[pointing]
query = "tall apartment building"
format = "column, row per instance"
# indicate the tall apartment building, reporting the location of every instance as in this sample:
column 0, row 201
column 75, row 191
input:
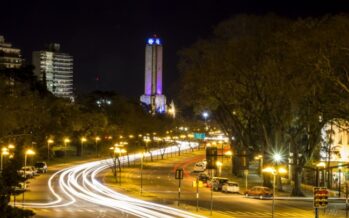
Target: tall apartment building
column 10, row 57
column 55, row 70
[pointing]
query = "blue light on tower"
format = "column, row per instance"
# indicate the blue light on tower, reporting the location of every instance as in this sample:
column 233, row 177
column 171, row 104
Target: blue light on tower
column 150, row 41
column 157, row 41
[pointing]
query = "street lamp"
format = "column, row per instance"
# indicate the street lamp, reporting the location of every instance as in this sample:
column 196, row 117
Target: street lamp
column 96, row 140
column 4, row 152
column 277, row 157
column 118, row 150
column 146, row 140
column 11, row 146
column 274, row 172
column 82, row 140
column 49, row 141
column 29, row 152
column 205, row 116
column 66, row 140
column 260, row 158
column 142, row 156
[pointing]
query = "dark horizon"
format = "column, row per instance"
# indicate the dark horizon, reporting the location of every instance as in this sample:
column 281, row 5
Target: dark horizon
column 108, row 39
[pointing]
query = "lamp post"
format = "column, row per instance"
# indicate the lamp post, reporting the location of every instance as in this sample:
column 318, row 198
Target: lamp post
column 119, row 151
column 29, row 152
column 142, row 156
column 146, row 140
column 96, row 140
column 205, row 116
column 82, row 140
column 274, row 172
column 260, row 158
column 4, row 152
column 49, row 141
column 66, row 140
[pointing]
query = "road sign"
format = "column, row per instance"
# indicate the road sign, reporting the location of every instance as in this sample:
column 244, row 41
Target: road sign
column 198, row 135
column 179, row 173
column 211, row 157
column 320, row 197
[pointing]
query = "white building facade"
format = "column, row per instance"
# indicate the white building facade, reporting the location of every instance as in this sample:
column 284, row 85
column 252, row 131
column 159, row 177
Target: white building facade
column 10, row 57
column 55, row 70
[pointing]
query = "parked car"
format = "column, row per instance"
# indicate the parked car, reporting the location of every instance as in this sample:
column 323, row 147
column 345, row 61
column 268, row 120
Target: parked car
column 41, row 167
column 217, row 183
column 203, row 177
column 20, row 188
column 26, row 172
column 199, row 167
column 35, row 171
column 259, row 191
column 232, row 187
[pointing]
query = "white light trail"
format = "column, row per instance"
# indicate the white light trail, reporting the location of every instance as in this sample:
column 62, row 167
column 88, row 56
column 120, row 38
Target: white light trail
column 80, row 183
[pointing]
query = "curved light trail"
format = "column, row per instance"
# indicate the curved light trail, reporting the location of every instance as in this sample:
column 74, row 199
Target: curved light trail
column 80, row 183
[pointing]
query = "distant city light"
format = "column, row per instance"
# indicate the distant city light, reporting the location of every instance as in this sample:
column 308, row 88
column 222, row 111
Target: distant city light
column 157, row 41
column 205, row 114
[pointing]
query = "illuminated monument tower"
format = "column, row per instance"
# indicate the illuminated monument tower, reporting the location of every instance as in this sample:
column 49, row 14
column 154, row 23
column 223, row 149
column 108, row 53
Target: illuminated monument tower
column 153, row 96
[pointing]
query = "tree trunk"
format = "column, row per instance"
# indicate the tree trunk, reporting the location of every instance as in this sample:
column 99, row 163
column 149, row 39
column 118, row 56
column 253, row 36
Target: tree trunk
column 297, row 191
column 236, row 168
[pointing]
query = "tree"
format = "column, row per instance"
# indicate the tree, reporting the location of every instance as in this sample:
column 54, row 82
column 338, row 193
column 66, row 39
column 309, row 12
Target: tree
column 265, row 79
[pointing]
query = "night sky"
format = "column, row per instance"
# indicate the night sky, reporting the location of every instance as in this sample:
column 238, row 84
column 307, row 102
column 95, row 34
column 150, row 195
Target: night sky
column 107, row 38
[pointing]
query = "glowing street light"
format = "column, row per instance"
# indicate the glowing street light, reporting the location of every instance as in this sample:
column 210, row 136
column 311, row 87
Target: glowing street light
column 49, row 141
column 228, row 153
column 97, row 138
column 205, row 115
column 274, row 172
column 29, row 152
column 11, row 146
column 82, row 141
column 277, row 157
column 66, row 140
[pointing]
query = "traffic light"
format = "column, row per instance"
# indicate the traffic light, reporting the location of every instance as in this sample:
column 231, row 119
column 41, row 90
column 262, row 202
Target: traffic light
column 320, row 197
column 211, row 157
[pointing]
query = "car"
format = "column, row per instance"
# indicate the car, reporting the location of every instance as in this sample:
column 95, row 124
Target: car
column 199, row 167
column 41, row 167
column 203, row 177
column 26, row 172
column 259, row 191
column 230, row 186
column 35, row 171
column 217, row 183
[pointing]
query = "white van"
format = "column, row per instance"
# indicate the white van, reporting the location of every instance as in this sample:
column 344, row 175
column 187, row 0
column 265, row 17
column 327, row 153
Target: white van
column 199, row 167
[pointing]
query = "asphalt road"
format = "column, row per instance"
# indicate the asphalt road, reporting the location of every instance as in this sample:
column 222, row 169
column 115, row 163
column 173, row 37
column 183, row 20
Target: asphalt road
column 75, row 191
column 44, row 203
